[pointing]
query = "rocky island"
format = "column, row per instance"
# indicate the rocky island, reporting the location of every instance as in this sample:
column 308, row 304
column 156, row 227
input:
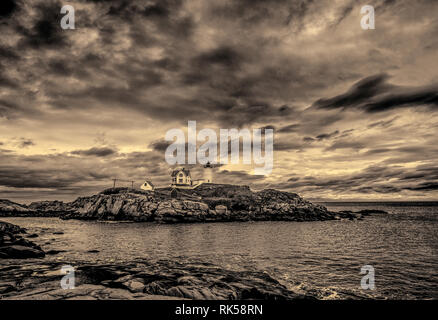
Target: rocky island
column 205, row 203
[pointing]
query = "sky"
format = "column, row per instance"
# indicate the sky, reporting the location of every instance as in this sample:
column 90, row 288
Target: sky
column 354, row 112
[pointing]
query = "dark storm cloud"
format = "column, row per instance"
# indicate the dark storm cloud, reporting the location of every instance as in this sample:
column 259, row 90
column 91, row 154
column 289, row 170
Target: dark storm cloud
column 7, row 108
column 289, row 128
column 32, row 172
column 7, row 8
column 417, row 97
column 250, row 13
column 96, row 151
column 164, row 13
column 24, row 143
column 343, row 14
column 62, row 171
column 324, row 136
column 11, row 176
column 161, row 9
column 404, row 153
column 425, row 187
column 7, row 57
column 373, row 179
column 61, row 67
column 6, row 82
column 289, row 145
column 359, row 93
column 46, row 30
column 8, row 53
column 428, row 169
column 160, row 146
column 225, row 88
column 347, row 144
column 223, row 56
column 240, row 115
column 384, row 124
column 374, row 94
column 386, row 5
column 156, row 9
column 236, row 177
column 379, row 151
column 236, row 101
column 383, row 189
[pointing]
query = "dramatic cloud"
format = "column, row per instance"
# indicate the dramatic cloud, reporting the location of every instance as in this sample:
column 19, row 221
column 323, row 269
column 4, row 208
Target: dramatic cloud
column 24, row 143
column 7, row 8
column 374, row 94
column 98, row 152
column 80, row 107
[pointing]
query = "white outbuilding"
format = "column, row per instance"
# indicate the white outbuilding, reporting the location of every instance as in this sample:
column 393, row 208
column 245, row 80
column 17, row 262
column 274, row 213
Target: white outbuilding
column 147, row 185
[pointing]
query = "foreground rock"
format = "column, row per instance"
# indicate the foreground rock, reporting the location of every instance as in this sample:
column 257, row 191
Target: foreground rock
column 161, row 279
column 14, row 246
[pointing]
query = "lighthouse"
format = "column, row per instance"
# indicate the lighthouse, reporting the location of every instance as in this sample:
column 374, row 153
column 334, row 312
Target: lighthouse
column 208, row 172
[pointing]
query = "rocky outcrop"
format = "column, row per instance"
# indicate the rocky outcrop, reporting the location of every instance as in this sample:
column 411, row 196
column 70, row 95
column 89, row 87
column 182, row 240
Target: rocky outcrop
column 49, row 208
column 161, row 279
column 35, row 209
column 14, row 246
column 9, row 208
column 206, row 203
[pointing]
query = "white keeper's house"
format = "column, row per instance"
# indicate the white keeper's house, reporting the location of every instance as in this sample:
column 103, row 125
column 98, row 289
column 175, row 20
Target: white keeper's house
column 181, row 178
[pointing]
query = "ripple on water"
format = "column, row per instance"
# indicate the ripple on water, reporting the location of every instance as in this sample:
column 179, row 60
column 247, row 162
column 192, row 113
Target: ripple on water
column 322, row 257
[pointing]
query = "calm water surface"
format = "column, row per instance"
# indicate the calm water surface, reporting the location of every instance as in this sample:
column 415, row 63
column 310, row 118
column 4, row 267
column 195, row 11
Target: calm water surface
column 320, row 257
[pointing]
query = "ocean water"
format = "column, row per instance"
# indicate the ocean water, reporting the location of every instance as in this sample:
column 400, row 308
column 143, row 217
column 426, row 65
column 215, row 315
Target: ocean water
column 321, row 258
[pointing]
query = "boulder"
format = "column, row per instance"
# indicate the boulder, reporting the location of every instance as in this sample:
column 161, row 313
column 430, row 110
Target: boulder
column 220, row 209
column 20, row 252
column 14, row 246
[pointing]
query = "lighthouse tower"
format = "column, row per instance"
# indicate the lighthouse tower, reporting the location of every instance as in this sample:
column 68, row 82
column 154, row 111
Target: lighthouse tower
column 208, row 172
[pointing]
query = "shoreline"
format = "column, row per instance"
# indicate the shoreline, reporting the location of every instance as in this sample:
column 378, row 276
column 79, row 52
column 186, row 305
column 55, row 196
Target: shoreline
column 38, row 278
